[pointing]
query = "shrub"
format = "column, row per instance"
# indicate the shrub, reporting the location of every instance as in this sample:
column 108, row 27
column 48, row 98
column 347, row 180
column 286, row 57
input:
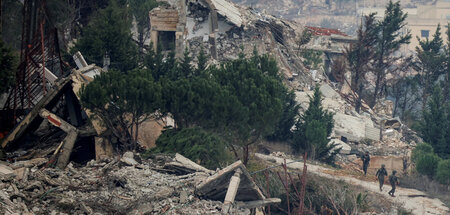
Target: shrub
column 421, row 149
column 427, row 164
column 196, row 144
column 443, row 171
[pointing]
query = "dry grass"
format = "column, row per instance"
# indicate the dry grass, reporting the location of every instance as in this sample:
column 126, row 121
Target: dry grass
column 432, row 188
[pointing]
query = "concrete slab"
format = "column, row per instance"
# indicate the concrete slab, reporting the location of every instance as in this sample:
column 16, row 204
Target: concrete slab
column 216, row 186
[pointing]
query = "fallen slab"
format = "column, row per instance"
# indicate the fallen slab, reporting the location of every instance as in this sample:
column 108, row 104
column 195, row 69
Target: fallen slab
column 183, row 165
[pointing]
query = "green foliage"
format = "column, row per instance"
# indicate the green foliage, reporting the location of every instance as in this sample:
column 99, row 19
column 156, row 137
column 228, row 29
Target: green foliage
column 8, row 65
column 362, row 201
column 287, row 121
column 125, row 99
column 389, row 40
column 203, row 147
column 256, row 84
column 108, row 32
column 431, row 63
column 202, row 61
column 427, row 164
column 434, row 127
column 359, row 55
column 404, row 91
column 443, row 172
column 313, row 59
column 140, row 10
column 420, row 150
column 313, row 128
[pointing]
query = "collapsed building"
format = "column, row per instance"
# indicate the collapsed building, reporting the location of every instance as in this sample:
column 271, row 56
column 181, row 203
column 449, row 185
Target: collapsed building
column 59, row 131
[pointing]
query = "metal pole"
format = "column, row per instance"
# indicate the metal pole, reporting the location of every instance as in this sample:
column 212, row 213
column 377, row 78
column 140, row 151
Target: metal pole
column 287, row 187
column 268, row 190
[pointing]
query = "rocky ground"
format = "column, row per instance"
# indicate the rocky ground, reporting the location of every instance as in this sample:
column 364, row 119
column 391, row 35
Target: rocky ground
column 115, row 186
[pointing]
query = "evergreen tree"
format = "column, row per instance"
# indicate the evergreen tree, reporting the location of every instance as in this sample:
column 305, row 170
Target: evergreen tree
column 447, row 68
column 360, row 54
column 312, row 129
column 256, row 84
column 8, row 65
column 389, row 41
column 404, row 91
column 287, row 121
column 123, row 100
column 430, row 63
column 140, row 10
column 434, row 127
column 196, row 144
column 202, row 61
column 186, row 68
column 108, row 33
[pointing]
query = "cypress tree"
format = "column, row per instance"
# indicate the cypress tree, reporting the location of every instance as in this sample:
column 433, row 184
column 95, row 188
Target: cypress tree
column 389, row 41
column 312, row 129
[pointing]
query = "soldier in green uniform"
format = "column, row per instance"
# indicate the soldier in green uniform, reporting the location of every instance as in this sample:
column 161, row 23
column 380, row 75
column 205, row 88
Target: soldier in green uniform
column 394, row 181
column 380, row 175
column 366, row 160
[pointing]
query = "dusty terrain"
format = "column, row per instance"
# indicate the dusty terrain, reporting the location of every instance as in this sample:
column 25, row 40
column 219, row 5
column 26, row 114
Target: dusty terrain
column 413, row 200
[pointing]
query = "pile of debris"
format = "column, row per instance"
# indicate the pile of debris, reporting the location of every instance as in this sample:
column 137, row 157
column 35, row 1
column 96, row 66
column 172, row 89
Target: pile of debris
column 127, row 185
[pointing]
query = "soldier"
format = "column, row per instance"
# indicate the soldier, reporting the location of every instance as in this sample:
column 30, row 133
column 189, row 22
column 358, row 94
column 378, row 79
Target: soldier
column 380, row 175
column 394, row 181
column 366, row 160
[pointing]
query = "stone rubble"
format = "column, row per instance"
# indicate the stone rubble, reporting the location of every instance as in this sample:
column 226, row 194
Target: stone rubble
column 104, row 187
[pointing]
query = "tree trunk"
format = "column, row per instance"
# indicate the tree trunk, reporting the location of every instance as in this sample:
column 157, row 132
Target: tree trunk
column 359, row 99
column 136, row 137
column 245, row 155
column 140, row 43
column 377, row 88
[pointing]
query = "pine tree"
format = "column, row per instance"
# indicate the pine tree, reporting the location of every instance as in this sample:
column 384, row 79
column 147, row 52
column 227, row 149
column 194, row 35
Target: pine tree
column 140, row 10
column 360, row 54
column 312, row 129
column 447, row 68
column 256, row 85
column 287, row 121
column 123, row 100
column 430, row 63
column 389, row 41
column 202, row 60
column 108, row 33
column 434, row 127
column 186, row 69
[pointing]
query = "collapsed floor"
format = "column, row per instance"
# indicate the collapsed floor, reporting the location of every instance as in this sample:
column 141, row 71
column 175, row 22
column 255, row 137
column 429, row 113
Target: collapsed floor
column 103, row 187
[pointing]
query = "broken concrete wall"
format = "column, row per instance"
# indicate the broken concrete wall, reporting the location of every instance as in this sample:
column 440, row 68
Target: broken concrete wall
column 168, row 27
column 390, row 162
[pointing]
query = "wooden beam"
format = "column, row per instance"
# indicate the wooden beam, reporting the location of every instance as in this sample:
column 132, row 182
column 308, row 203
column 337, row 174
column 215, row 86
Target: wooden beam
column 232, row 191
column 258, row 203
column 68, row 142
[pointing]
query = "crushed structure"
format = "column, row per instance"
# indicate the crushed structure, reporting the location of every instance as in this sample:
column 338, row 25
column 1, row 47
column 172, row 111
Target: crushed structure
column 105, row 187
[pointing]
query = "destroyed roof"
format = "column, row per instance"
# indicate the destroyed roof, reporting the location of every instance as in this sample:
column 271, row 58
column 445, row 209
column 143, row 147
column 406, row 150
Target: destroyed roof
column 228, row 10
column 318, row 31
column 215, row 187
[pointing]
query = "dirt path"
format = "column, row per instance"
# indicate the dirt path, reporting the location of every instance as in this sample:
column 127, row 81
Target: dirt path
column 413, row 200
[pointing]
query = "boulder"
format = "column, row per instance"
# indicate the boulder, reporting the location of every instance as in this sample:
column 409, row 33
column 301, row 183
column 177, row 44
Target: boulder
column 128, row 158
column 345, row 148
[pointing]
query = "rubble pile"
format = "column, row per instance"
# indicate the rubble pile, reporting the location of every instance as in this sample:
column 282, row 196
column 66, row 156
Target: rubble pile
column 102, row 187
